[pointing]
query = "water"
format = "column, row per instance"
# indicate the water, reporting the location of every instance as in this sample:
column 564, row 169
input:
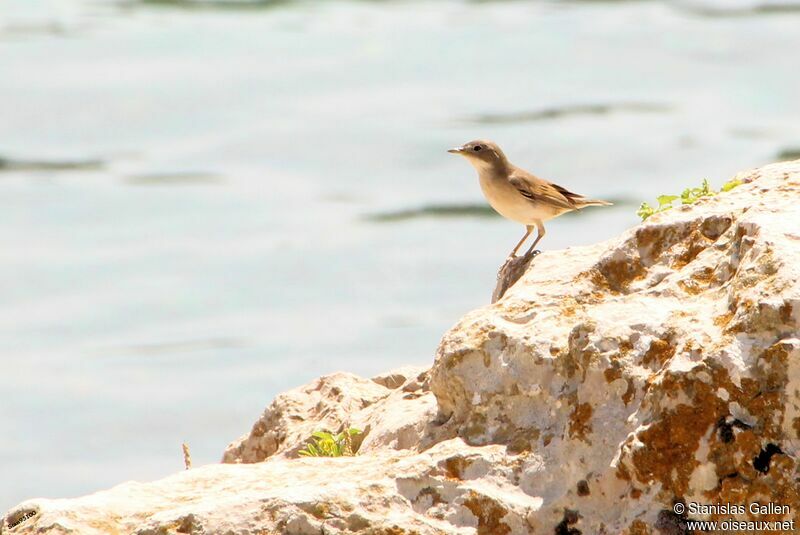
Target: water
column 203, row 206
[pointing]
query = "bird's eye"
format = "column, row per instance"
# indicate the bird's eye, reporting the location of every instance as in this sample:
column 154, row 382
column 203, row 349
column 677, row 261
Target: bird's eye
column 476, row 148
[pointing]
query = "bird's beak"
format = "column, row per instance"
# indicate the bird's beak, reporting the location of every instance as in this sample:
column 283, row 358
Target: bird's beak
column 456, row 150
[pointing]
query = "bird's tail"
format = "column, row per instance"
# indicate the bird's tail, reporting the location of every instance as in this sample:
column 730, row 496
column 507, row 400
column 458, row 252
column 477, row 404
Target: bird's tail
column 592, row 202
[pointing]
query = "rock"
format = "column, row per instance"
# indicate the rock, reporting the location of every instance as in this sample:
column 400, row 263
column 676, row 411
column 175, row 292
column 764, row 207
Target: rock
column 406, row 419
column 399, row 377
column 392, row 410
column 286, row 425
column 610, row 383
column 660, row 366
column 450, row 488
column 510, row 272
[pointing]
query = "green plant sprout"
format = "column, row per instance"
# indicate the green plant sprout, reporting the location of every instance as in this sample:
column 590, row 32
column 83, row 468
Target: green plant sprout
column 689, row 196
column 326, row 444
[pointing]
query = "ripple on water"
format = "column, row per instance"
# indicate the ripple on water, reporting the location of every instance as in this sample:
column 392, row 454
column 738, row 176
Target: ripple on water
column 559, row 112
column 10, row 164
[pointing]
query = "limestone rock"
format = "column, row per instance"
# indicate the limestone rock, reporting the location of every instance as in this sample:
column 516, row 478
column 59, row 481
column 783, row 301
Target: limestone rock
column 450, row 488
column 288, row 422
column 609, row 383
column 393, row 409
column 657, row 367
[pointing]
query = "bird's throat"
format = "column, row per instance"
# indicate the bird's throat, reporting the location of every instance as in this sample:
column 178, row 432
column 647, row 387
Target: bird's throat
column 496, row 168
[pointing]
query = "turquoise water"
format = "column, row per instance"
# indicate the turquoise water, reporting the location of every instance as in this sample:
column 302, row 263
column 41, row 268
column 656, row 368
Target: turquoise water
column 205, row 205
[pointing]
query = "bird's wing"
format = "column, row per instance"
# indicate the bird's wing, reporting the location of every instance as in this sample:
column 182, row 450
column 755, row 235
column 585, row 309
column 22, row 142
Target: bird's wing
column 538, row 190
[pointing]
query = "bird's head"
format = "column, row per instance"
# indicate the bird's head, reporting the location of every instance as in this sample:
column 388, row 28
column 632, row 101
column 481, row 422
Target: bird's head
column 482, row 154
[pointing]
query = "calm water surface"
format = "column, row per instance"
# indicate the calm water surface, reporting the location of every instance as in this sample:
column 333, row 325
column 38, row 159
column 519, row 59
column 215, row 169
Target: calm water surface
column 204, row 205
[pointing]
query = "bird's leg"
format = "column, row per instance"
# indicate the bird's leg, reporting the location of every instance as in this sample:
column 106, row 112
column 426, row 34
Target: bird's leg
column 539, row 236
column 525, row 237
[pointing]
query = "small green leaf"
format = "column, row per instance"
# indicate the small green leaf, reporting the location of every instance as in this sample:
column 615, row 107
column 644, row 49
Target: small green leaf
column 687, row 196
column 666, row 200
column 326, row 444
column 727, row 186
column 644, row 211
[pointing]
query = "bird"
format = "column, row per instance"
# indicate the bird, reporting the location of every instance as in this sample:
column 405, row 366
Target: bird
column 518, row 195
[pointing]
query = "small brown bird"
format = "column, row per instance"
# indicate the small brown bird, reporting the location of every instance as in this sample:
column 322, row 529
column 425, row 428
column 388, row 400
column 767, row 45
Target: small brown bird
column 517, row 194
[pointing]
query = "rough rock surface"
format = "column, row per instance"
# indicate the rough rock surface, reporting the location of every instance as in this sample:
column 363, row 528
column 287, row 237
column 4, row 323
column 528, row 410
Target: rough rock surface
column 611, row 382
column 658, row 367
column 393, row 410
